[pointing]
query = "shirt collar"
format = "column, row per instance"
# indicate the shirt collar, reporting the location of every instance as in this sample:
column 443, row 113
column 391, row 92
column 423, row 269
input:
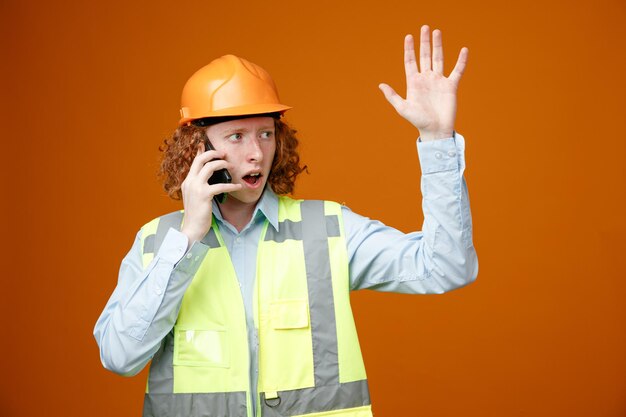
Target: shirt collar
column 267, row 207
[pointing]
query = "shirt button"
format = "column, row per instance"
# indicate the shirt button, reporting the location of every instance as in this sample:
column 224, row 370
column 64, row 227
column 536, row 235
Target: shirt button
column 158, row 290
column 189, row 256
column 438, row 155
column 238, row 240
column 451, row 153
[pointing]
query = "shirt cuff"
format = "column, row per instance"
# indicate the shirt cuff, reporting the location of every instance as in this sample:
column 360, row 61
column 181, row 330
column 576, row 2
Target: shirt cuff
column 174, row 250
column 191, row 261
column 438, row 155
column 174, row 246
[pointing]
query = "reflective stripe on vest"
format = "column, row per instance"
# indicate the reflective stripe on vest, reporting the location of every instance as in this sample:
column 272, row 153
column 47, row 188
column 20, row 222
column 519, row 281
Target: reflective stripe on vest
column 306, row 367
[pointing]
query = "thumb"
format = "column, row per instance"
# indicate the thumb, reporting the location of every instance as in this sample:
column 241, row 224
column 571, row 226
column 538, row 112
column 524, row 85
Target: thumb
column 392, row 97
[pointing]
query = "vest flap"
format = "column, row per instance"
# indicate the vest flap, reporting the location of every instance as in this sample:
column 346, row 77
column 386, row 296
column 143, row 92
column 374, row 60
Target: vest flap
column 289, row 314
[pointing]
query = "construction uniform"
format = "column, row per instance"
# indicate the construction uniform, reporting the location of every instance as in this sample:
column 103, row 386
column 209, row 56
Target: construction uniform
column 258, row 322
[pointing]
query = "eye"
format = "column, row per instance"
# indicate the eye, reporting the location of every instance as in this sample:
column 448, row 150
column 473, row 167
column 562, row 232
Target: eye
column 234, row 137
column 267, row 134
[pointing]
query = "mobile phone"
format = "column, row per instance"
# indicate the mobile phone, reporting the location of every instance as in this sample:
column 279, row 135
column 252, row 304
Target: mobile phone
column 219, row 176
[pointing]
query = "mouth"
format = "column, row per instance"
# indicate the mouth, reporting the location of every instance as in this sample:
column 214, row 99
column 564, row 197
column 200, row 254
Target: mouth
column 253, row 179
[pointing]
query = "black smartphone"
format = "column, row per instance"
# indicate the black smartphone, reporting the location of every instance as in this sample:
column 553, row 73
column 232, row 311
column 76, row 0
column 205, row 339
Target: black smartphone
column 220, row 176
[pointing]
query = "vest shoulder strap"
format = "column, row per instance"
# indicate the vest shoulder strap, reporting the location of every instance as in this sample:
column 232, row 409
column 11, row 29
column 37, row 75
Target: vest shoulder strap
column 153, row 233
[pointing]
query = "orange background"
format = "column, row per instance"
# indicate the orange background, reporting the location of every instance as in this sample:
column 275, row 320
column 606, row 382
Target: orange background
column 90, row 89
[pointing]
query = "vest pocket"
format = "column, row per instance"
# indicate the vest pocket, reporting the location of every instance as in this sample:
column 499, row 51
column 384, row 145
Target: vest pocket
column 289, row 314
column 193, row 347
column 286, row 348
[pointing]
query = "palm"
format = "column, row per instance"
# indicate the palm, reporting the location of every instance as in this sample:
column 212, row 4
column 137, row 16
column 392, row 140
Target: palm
column 430, row 103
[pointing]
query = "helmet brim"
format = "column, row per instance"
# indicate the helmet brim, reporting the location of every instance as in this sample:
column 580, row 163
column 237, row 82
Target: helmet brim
column 247, row 110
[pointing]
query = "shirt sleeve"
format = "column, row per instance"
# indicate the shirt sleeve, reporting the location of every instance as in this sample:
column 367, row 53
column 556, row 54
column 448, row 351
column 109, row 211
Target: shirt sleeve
column 437, row 259
column 145, row 303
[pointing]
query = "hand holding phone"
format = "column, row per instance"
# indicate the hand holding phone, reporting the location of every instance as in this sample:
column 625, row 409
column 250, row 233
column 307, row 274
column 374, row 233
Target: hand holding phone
column 219, row 176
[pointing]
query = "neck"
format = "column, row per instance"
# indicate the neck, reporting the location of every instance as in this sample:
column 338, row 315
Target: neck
column 237, row 212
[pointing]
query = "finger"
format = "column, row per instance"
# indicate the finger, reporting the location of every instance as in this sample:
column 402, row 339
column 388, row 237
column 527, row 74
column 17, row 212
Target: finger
column 195, row 165
column 201, row 159
column 224, row 188
column 210, row 167
column 459, row 68
column 410, row 64
column 392, row 97
column 212, row 154
column 425, row 49
column 437, row 52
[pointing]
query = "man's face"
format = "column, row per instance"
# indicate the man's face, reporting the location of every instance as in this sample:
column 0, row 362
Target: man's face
column 249, row 145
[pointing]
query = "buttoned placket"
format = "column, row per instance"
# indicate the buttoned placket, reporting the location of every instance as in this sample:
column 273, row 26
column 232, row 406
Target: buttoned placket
column 236, row 243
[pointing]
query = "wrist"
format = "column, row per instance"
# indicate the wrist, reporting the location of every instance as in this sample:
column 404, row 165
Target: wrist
column 430, row 136
column 192, row 235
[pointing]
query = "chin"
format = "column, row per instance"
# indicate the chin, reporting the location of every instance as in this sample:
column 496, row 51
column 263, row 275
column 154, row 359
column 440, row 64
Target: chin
column 246, row 198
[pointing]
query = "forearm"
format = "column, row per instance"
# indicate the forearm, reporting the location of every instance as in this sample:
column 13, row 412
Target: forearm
column 144, row 306
column 437, row 259
column 448, row 247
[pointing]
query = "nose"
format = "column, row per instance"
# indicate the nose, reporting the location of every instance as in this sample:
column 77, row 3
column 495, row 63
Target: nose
column 254, row 152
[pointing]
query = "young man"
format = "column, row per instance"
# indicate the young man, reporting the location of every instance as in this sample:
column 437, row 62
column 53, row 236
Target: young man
column 242, row 304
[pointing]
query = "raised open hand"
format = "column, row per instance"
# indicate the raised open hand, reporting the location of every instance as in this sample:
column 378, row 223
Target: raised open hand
column 430, row 103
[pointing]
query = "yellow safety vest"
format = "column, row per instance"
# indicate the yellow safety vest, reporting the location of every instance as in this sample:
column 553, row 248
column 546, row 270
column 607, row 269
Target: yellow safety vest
column 310, row 362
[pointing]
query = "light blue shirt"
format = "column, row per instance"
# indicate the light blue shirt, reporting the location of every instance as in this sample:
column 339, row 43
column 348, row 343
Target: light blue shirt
column 144, row 306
